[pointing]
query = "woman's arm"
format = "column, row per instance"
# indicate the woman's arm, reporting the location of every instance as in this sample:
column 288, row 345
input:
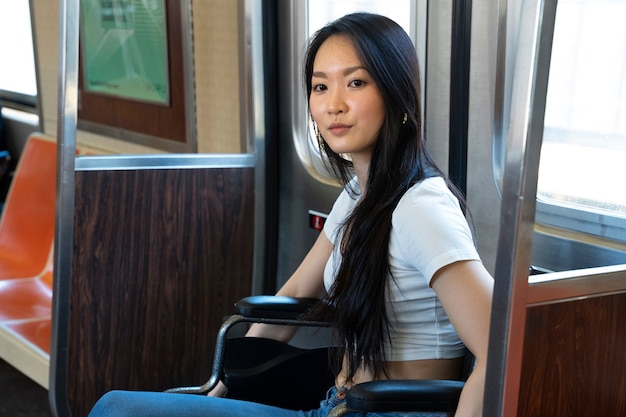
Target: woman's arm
column 465, row 289
column 306, row 282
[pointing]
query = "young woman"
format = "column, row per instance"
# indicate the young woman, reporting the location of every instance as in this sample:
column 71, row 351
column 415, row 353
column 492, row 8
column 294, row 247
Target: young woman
column 396, row 263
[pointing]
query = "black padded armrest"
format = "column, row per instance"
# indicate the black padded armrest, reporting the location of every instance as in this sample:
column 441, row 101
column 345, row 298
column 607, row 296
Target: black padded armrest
column 274, row 307
column 405, row 395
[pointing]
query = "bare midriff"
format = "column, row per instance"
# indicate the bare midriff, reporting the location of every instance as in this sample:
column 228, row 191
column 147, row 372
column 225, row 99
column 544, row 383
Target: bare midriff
column 417, row 369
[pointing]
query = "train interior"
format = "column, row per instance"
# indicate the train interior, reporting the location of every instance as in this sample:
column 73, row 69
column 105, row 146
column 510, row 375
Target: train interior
column 156, row 166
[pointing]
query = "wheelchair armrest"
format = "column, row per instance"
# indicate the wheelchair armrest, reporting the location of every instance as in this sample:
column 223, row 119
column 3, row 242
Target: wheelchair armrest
column 405, row 395
column 274, row 307
column 261, row 308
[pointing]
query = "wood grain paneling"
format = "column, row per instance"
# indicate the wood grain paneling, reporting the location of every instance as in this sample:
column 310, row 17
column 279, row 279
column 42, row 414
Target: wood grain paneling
column 574, row 361
column 160, row 256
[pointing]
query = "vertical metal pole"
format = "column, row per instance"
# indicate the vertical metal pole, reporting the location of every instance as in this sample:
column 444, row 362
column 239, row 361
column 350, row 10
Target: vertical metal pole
column 255, row 125
column 500, row 104
column 64, row 222
column 517, row 219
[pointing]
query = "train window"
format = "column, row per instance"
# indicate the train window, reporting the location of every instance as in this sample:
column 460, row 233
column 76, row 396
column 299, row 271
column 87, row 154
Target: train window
column 321, row 12
column 584, row 143
column 18, row 83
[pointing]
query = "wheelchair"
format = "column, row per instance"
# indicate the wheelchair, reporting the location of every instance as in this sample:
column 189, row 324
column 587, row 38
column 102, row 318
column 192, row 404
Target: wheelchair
column 247, row 365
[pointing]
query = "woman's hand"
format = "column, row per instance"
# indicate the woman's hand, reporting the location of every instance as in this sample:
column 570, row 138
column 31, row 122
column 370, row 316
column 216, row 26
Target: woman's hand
column 219, row 390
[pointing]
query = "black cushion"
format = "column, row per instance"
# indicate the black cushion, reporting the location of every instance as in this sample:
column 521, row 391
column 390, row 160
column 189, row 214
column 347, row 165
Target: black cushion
column 274, row 307
column 405, row 395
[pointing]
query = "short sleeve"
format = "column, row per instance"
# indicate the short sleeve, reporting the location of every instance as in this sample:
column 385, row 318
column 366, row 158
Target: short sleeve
column 430, row 228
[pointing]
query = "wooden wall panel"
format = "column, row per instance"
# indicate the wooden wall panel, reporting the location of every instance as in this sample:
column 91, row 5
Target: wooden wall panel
column 574, row 361
column 160, row 256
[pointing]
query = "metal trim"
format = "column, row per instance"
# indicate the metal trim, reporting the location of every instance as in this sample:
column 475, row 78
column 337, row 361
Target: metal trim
column 164, row 161
column 572, row 285
column 69, row 13
column 253, row 128
column 524, row 137
column 500, row 103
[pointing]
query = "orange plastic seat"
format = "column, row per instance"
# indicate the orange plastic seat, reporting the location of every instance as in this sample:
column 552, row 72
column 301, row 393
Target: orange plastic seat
column 26, row 240
column 25, row 310
column 27, row 223
column 35, row 332
column 47, row 276
column 24, row 299
column 25, row 322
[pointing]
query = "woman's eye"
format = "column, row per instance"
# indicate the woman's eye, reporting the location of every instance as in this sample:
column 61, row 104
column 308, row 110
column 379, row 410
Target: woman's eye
column 319, row 87
column 357, row 83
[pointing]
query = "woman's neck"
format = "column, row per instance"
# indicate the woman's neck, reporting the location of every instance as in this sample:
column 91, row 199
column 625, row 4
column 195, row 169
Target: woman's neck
column 361, row 169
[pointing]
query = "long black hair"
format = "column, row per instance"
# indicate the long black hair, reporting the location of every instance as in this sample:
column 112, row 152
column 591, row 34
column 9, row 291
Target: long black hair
column 356, row 301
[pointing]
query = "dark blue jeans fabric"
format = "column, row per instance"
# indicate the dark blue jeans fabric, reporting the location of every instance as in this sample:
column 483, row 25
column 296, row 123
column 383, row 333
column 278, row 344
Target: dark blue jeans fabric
column 159, row 404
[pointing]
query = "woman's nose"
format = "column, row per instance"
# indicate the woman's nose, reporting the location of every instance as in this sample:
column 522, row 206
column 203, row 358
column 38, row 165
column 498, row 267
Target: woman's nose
column 336, row 103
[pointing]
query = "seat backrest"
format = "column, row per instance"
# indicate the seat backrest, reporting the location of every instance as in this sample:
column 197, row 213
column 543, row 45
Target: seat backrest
column 47, row 275
column 27, row 223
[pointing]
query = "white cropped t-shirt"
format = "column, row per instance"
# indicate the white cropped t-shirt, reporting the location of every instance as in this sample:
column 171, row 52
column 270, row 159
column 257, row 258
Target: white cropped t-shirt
column 429, row 231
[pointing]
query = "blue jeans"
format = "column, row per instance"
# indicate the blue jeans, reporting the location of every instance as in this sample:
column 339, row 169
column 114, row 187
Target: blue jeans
column 159, row 404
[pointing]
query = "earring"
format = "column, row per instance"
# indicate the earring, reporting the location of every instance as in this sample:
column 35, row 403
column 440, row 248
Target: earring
column 405, row 118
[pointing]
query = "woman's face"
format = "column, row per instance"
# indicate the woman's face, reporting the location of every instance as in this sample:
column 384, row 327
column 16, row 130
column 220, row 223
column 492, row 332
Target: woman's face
column 345, row 103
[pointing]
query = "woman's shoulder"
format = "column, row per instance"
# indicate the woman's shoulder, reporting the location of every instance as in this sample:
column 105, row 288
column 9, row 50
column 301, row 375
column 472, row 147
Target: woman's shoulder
column 426, row 192
column 428, row 205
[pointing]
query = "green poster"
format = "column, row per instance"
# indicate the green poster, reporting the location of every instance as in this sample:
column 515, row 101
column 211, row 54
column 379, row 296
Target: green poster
column 124, row 46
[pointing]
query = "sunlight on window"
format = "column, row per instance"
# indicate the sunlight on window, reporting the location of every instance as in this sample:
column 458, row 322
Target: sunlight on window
column 584, row 145
column 16, row 48
column 323, row 11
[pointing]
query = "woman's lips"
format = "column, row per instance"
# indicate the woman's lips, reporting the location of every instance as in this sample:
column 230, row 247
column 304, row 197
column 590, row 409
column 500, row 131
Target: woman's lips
column 338, row 129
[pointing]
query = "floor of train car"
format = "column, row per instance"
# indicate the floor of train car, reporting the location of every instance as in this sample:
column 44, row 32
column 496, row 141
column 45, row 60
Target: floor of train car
column 20, row 396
